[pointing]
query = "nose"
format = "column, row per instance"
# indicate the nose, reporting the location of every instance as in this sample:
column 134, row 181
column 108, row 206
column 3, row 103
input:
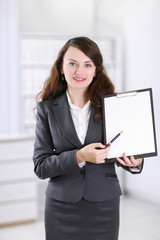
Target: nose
column 80, row 69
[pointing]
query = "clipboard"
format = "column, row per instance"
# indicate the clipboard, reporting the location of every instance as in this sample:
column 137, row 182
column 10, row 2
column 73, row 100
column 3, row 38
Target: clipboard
column 131, row 112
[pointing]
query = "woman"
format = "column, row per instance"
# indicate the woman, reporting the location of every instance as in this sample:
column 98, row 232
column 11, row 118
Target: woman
column 82, row 196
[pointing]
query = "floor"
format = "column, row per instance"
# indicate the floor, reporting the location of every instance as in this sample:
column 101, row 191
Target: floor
column 139, row 221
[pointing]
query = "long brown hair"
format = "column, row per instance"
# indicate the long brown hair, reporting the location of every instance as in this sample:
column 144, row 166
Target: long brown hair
column 101, row 84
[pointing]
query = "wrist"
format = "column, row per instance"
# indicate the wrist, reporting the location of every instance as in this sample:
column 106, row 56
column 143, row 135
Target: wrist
column 80, row 158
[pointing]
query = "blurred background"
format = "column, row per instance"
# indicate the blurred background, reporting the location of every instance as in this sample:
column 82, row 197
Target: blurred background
column 31, row 34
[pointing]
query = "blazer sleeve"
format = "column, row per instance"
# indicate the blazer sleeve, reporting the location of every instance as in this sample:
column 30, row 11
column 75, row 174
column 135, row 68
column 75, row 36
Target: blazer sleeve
column 133, row 170
column 46, row 163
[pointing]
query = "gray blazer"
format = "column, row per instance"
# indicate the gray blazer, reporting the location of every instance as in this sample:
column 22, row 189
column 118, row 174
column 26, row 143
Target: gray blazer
column 55, row 147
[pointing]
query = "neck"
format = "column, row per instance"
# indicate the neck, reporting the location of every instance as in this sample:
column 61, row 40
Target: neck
column 78, row 98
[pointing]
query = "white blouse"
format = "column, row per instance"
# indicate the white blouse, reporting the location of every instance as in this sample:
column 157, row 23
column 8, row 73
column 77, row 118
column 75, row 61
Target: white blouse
column 80, row 118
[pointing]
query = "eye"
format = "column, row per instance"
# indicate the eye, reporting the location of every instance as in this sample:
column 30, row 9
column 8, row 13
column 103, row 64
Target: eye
column 72, row 64
column 88, row 65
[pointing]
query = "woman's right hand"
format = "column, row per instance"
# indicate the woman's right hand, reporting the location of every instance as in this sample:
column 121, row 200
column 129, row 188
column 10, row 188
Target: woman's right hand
column 94, row 152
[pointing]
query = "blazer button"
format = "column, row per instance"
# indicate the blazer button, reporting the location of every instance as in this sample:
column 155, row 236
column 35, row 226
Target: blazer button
column 83, row 171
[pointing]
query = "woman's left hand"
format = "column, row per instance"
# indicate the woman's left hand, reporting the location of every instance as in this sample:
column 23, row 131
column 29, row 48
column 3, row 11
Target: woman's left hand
column 129, row 162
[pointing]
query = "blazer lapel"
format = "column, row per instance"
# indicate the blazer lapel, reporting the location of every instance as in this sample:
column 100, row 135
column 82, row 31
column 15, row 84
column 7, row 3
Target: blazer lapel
column 64, row 120
column 93, row 127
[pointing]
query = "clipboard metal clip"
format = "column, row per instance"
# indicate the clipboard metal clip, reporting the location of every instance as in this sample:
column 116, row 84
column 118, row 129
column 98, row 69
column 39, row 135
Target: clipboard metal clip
column 127, row 94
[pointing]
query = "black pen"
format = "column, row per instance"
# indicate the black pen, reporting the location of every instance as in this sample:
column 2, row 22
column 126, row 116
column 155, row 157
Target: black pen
column 108, row 144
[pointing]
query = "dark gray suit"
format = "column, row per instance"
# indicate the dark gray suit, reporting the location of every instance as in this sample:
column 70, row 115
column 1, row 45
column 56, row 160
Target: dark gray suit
column 88, row 197
column 56, row 144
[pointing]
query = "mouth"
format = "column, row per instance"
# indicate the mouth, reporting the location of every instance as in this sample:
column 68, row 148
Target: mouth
column 79, row 79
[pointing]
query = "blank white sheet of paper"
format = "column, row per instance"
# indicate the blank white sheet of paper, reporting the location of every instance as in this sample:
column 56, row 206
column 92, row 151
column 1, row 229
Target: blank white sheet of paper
column 131, row 113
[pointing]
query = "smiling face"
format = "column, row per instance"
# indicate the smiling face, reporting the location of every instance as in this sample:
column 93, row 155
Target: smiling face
column 78, row 69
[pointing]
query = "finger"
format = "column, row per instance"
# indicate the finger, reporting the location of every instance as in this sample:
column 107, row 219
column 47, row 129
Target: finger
column 125, row 161
column 98, row 145
column 139, row 161
column 108, row 145
column 130, row 161
column 101, row 157
column 125, row 158
column 103, row 153
column 121, row 161
column 134, row 161
column 102, row 161
column 107, row 148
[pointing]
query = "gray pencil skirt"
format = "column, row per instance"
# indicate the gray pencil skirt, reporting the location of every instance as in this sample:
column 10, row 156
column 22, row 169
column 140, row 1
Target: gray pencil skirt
column 82, row 220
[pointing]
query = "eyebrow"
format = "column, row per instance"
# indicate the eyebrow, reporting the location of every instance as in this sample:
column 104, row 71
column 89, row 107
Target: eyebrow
column 76, row 61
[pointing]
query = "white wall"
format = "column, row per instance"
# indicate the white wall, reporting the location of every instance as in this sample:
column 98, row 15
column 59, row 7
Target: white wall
column 86, row 17
column 142, row 64
column 56, row 16
column 108, row 17
column 9, row 67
